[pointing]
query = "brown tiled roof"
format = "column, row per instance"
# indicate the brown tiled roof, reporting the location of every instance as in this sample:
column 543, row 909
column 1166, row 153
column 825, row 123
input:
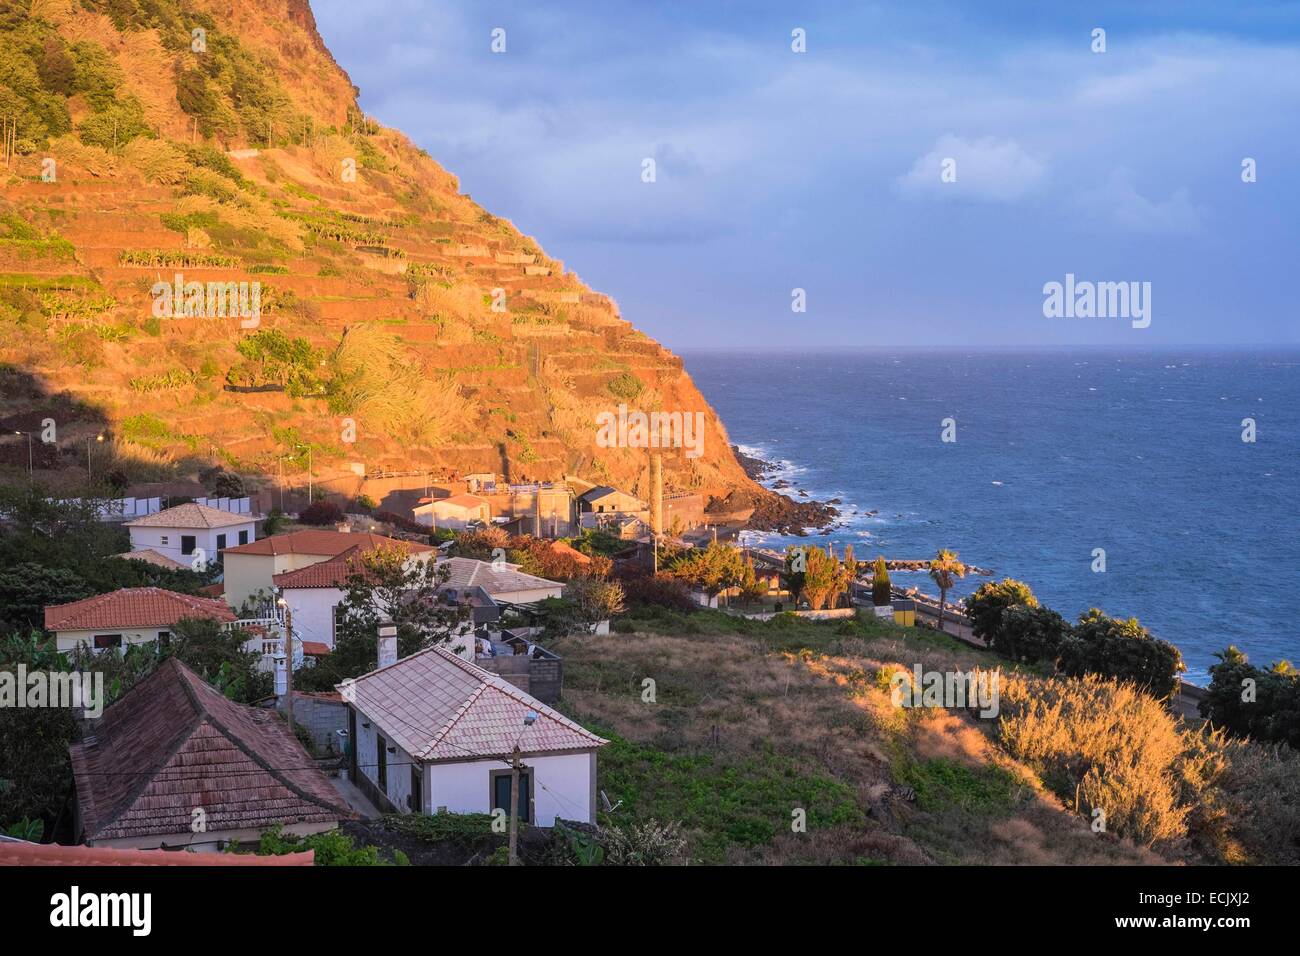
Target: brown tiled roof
column 19, row 853
column 326, row 544
column 192, row 515
column 437, row 706
column 173, row 744
column 151, row 556
column 133, row 607
column 334, row 572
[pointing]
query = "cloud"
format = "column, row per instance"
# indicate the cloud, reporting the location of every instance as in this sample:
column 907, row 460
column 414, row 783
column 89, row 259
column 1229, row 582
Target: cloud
column 1118, row 203
column 986, row 170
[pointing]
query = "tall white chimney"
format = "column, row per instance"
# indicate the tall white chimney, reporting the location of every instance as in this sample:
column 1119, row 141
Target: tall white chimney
column 387, row 644
column 281, row 681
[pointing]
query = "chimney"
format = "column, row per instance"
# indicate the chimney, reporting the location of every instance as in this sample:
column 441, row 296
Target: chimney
column 281, row 682
column 657, row 494
column 387, row 644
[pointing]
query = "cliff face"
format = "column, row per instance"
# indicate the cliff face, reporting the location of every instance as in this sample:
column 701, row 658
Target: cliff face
column 401, row 327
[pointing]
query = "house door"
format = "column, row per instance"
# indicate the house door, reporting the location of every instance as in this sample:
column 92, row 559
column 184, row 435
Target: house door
column 501, row 793
column 417, row 780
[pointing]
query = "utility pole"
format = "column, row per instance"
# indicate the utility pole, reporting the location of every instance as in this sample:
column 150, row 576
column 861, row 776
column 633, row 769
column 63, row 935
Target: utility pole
column 516, row 765
column 288, row 662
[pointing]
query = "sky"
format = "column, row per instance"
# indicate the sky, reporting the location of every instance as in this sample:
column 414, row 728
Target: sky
column 824, row 170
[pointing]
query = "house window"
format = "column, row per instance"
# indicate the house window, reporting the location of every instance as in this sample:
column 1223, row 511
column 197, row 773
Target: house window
column 163, row 539
column 381, row 748
column 221, row 541
column 501, row 793
column 107, row 640
column 243, row 537
column 187, row 544
column 337, row 616
column 164, row 638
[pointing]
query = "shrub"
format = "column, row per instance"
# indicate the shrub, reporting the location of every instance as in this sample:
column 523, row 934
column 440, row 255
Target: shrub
column 1248, row 701
column 984, row 608
column 321, row 513
column 645, row 844
column 658, row 590
column 626, row 386
column 1121, row 649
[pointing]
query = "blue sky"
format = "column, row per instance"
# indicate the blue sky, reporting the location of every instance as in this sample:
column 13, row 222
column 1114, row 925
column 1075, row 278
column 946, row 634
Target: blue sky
column 821, row 170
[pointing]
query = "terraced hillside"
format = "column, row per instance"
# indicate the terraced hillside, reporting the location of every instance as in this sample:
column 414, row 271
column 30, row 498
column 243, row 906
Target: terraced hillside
column 402, row 327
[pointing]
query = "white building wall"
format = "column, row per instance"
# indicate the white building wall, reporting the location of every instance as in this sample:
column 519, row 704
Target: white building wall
column 562, row 786
column 313, row 612
column 168, row 540
column 67, row 640
column 529, row 596
column 398, row 767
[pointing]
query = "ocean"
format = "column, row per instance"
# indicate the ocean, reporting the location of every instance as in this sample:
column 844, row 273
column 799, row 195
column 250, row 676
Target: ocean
column 1056, row 454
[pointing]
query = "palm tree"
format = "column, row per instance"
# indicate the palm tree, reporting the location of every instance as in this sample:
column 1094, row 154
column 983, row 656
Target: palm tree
column 945, row 569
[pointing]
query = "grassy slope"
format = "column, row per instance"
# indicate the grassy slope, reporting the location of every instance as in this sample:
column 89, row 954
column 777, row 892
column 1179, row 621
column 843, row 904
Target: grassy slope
column 753, row 721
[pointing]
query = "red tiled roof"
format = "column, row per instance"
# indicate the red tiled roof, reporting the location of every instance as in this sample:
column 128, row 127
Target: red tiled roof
column 53, row 854
column 174, row 744
column 334, row 572
column 327, row 544
column 315, row 648
column 192, row 515
column 133, row 607
column 437, row 706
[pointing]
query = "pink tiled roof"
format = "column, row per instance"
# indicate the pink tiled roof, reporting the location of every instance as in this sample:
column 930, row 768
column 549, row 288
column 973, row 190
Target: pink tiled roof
column 133, row 607
column 151, row 556
column 19, row 853
column 191, row 515
column 173, row 744
column 326, row 544
column 437, row 706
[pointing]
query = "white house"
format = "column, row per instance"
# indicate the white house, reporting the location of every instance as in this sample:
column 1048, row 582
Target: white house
column 455, row 513
column 252, row 567
column 433, row 732
column 191, row 531
column 127, row 616
column 313, row 594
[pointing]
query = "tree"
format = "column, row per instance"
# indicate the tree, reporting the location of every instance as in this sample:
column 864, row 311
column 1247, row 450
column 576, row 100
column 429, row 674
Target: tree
column 586, row 602
column 825, row 578
column 881, row 591
column 388, row 585
column 321, row 513
column 1031, row 633
column 1124, row 650
column 712, row 569
column 985, row 607
column 945, row 569
column 218, row 655
column 751, row 588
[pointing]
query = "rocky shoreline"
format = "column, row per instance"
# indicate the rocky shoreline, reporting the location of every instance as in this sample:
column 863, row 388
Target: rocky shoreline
column 774, row 511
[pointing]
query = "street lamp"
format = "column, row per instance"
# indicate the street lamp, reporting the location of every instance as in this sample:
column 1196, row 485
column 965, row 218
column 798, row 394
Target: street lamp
column 30, row 470
column 99, row 438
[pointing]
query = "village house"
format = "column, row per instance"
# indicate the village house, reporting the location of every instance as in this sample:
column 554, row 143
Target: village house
column 542, row 509
column 456, row 513
column 251, row 568
column 315, row 593
column 604, row 500
column 433, row 732
column 191, row 531
column 127, row 616
column 175, row 764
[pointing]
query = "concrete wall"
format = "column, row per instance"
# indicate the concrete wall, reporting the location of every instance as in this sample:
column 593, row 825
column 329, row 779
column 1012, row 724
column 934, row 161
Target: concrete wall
column 322, row 718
